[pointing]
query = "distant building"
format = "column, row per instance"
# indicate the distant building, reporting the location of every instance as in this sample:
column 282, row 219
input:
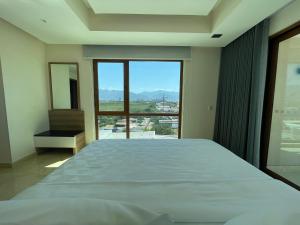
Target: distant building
column 173, row 122
column 166, row 107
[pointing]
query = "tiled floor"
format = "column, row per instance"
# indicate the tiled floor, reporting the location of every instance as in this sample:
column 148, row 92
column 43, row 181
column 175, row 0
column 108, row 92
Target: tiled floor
column 29, row 171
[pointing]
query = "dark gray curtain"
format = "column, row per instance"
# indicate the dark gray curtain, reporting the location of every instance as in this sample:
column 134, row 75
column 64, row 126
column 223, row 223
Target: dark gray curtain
column 241, row 93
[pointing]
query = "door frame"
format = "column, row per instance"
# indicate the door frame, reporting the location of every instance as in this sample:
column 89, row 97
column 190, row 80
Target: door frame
column 274, row 42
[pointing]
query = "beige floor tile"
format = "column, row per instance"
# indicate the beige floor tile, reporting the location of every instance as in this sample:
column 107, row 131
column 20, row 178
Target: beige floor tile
column 29, row 171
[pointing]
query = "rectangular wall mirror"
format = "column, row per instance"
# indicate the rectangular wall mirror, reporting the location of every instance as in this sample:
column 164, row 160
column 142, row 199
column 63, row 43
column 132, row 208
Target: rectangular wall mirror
column 64, row 85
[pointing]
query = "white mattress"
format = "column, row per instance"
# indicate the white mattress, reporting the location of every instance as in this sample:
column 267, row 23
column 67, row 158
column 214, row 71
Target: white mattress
column 195, row 181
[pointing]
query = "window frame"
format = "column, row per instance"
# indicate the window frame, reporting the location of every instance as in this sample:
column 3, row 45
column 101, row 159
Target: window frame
column 126, row 113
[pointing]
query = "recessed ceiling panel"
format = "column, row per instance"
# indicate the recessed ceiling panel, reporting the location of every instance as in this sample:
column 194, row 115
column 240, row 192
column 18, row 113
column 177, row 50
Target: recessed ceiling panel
column 154, row 7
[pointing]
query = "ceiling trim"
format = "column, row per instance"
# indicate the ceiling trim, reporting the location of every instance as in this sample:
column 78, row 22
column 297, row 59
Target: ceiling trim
column 73, row 22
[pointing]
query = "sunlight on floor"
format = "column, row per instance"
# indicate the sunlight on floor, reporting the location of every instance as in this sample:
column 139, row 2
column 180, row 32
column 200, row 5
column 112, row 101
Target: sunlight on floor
column 57, row 164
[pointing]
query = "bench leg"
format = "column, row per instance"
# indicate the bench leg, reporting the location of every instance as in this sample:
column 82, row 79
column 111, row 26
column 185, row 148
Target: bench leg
column 75, row 151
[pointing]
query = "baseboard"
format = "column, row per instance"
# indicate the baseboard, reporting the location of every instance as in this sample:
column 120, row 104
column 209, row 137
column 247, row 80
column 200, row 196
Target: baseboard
column 23, row 159
column 6, row 165
column 10, row 165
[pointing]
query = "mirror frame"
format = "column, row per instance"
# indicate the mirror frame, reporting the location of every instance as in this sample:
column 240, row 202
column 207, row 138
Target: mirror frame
column 78, row 84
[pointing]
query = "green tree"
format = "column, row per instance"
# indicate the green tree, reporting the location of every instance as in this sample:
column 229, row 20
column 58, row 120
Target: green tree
column 163, row 129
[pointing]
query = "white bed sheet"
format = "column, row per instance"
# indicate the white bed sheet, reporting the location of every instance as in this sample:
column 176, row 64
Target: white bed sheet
column 191, row 180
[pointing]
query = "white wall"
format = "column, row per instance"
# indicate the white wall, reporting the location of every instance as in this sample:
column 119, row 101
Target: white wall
column 200, row 87
column 25, row 87
column 285, row 17
column 5, row 155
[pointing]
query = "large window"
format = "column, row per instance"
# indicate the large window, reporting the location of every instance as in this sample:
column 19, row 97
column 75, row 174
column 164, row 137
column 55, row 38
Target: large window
column 137, row 99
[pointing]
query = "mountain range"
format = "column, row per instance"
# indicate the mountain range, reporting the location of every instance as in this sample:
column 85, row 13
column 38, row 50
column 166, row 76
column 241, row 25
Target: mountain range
column 116, row 95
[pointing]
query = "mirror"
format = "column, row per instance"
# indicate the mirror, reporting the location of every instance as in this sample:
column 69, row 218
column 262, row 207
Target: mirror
column 64, row 85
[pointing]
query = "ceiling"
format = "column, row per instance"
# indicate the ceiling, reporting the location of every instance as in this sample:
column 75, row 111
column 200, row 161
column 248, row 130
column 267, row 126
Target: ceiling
column 148, row 7
column 137, row 22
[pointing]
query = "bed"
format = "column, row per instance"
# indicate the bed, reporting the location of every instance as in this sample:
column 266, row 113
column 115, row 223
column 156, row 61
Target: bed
column 195, row 181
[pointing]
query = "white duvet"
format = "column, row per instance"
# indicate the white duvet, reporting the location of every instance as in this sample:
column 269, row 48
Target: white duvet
column 76, row 211
column 270, row 216
column 191, row 180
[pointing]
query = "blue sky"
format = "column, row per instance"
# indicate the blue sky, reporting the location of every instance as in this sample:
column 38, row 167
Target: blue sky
column 144, row 76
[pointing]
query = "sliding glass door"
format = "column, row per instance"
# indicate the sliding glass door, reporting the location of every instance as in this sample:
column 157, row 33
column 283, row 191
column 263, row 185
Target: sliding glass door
column 282, row 109
column 138, row 99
